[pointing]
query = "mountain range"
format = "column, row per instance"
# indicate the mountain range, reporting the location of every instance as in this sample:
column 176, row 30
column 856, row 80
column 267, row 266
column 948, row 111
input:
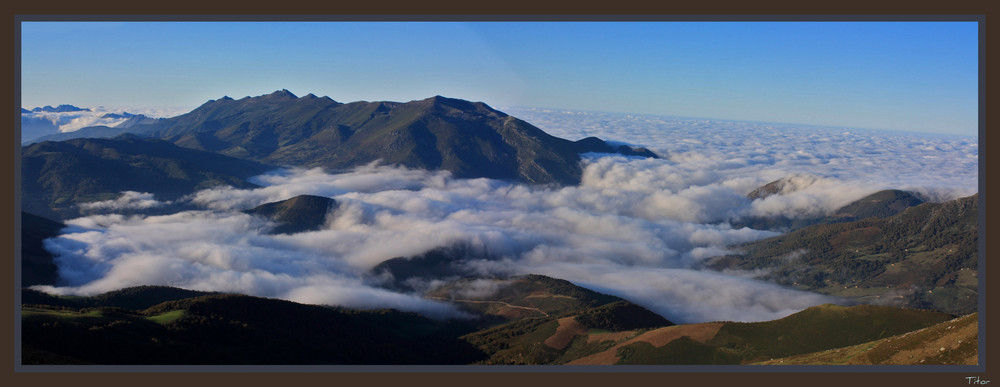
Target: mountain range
column 916, row 260
column 48, row 123
column 225, row 141
column 58, row 109
column 469, row 139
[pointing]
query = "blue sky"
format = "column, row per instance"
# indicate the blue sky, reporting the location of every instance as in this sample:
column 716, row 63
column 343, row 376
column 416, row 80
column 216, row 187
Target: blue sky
column 914, row 76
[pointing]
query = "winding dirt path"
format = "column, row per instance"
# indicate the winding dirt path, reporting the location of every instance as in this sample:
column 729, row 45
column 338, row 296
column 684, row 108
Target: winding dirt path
column 491, row 302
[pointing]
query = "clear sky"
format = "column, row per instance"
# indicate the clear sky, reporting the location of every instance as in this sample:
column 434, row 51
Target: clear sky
column 914, row 76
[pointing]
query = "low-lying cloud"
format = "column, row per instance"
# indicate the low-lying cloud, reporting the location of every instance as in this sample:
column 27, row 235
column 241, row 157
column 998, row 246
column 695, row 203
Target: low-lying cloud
column 635, row 228
column 129, row 200
column 41, row 123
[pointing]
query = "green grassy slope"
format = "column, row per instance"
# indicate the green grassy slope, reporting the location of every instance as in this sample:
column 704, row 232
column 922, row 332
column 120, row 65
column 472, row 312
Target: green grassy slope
column 235, row 329
column 948, row 343
column 924, row 257
column 231, row 329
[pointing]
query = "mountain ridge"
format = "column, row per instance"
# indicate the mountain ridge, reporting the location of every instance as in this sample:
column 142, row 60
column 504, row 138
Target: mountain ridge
column 925, row 256
column 470, row 139
column 880, row 204
column 57, row 176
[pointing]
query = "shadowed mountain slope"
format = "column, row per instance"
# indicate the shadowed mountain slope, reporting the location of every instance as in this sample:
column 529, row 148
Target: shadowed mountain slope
column 298, row 214
column 233, row 329
column 37, row 266
column 189, row 327
column 56, row 176
column 924, row 257
column 879, row 204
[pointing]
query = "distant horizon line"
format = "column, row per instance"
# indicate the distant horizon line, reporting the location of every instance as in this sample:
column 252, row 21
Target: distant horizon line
column 178, row 110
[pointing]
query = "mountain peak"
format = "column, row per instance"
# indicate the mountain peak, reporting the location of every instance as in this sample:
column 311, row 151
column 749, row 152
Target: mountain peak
column 439, row 101
column 298, row 214
column 118, row 116
column 283, row 93
column 881, row 204
column 785, row 185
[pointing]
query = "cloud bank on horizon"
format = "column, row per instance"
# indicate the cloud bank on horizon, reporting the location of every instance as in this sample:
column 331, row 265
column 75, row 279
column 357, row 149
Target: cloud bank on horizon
column 635, row 227
column 36, row 124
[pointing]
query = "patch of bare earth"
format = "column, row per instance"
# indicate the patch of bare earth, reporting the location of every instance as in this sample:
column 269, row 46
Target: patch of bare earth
column 567, row 330
column 609, row 336
column 657, row 338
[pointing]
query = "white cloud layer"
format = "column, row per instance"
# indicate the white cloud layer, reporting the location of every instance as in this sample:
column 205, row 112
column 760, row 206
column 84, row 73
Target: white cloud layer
column 943, row 167
column 635, row 228
column 71, row 121
column 129, row 200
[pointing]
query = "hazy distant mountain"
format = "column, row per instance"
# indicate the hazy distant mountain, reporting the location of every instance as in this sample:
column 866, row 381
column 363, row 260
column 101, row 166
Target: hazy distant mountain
column 34, row 126
column 470, row 139
column 101, row 131
column 123, row 115
column 59, row 109
column 925, row 256
column 48, row 123
column 56, row 176
column 88, row 132
column 298, row 214
column 136, row 120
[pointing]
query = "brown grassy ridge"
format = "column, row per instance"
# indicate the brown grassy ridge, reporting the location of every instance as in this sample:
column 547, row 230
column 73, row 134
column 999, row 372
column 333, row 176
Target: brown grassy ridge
column 568, row 329
column 816, row 329
column 657, row 338
column 953, row 342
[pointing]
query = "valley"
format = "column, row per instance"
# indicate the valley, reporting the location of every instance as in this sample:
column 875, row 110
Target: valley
column 280, row 229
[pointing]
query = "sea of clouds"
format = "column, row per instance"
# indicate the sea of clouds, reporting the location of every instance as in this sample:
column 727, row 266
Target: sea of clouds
column 636, row 228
